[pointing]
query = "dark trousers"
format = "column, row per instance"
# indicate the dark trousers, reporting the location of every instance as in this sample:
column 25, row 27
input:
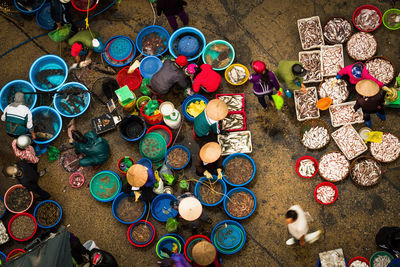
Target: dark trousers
column 172, row 20
column 34, row 187
column 367, row 116
column 261, row 99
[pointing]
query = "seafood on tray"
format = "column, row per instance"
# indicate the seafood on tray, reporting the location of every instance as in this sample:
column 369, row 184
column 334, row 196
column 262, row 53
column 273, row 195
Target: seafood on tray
column 234, row 102
column 335, row 89
column 349, row 141
column 311, row 61
column 233, row 122
column 362, row 46
column 334, row 166
column 366, row 172
column 306, row 104
column 344, row 113
column 235, row 142
column 381, row 69
column 315, row 138
column 332, row 59
column 387, row 150
column 310, row 32
column 337, row 30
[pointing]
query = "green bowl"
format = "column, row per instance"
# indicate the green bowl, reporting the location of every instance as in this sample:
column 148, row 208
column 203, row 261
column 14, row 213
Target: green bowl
column 105, row 186
column 153, row 147
column 214, row 54
column 379, row 253
column 386, row 14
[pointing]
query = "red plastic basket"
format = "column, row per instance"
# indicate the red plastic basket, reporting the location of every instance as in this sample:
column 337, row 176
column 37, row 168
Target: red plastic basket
column 190, row 240
column 13, row 219
column 155, row 119
column 14, row 253
column 80, row 7
column 140, row 245
column 133, row 80
column 72, row 177
column 9, row 191
column 119, row 162
column 358, row 259
column 298, row 165
column 326, row 184
column 163, row 127
column 371, row 7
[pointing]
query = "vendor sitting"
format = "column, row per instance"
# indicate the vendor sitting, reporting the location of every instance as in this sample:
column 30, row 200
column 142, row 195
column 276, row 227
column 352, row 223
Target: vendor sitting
column 209, row 160
column 140, row 178
column 95, row 148
column 205, row 254
column 208, row 79
column 355, row 73
column 207, row 121
column 83, row 43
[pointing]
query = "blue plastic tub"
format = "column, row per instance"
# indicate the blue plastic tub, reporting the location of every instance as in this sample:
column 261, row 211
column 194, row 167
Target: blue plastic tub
column 52, row 82
column 161, row 207
column 5, row 210
column 139, row 244
column 127, row 125
column 113, row 62
column 44, row 19
column 53, row 117
column 58, row 99
column 235, row 190
column 168, row 242
column 97, row 185
column 215, row 54
column 146, row 162
column 120, row 48
column 156, row 31
column 37, row 4
column 200, row 184
column 150, row 66
column 228, row 237
column 186, row 103
column 3, row 258
column 174, row 147
column 115, row 205
column 17, row 86
column 41, row 203
column 186, row 31
column 235, row 155
column 180, row 238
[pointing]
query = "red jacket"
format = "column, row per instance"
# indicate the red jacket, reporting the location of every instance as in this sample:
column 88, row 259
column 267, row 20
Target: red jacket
column 208, row 78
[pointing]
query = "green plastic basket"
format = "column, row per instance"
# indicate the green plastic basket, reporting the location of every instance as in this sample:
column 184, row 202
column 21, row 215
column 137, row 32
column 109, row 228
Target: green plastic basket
column 153, row 147
column 386, row 15
column 105, row 186
column 379, row 253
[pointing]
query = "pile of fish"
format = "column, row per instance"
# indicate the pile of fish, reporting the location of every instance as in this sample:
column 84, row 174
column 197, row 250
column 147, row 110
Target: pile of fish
column 224, row 57
column 332, row 258
column 381, row 69
column 332, row 59
column 326, row 194
column 334, row 166
column 366, row 172
column 235, row 142
column 311, row 61
column 349, row 141
column 72, row 103
column 306, row 104
column 344, row 113
column 233, row 122
column 367, row 19
column 358, row 263
column 234, row 102
column 337, row 30
column 362, row 46
column 310, row 32
column 388, row 150
column 237, row 74
column 315, row 138
column 153, row 44
column 381, row 261
column 45, row 77
column 3, row 234
column 306, row 168
column 393, row 20
column 335, row 89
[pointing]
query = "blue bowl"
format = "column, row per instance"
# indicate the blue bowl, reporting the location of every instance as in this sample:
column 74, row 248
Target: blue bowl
column 146, row 162
column 35, row 8
column 200, row 184
column 126, row 123
column 115, row 205
column 174, row 147
column 53, row 82
column 167, row 242
column 57, row 124
column 235, row 155
column 61, row 98
column 41, row 203
column 235, row 190
column 114, row 63
column 150, row 66
column 182, row 32
column 180, row 238
column 232, row 240
column 144, row 243
column 5, row 210
column 44, row 19
column 186, row 103
column 18, row 86
column 120, row 48
column 156, row 30
column 161, row 208
column 3, row 258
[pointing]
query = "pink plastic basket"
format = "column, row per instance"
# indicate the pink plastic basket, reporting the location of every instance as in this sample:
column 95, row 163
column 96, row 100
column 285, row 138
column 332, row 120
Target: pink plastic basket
column 76, row 180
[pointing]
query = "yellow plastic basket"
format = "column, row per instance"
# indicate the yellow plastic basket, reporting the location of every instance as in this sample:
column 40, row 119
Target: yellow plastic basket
column 230, row 68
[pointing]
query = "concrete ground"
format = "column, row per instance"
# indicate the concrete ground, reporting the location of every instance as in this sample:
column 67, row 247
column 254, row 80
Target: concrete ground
column 257, row 29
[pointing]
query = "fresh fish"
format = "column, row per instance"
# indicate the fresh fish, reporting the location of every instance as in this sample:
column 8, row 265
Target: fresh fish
column 234, row 102
column 349, row 141
column 326, row 194
column 307, row 168
column 66, row 107
column 219, row 47
column 42, row 76
column 235, row 142
column 334, row 166
column 362, row 46
column 310, row 32
column 42, row 135
column 233, row 122
column 387, row 150
column 315, row 138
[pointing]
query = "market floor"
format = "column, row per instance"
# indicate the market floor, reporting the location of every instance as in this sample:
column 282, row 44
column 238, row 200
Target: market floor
column 257, row 29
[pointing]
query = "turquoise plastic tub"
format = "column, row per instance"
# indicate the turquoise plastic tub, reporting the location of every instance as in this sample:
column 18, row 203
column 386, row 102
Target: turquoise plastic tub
column 200, row 184
column 228, row 237
column 8, row 91
column 115, row 205
column 146, row 162
column 36, row 5
column 186, row 103
column 157, row 31
column 182, row 32
column 43, row 202
column 172, row 148
column 235, row 190
column 161, row 207
column 76, row 110
column 235, row 155
column 54, row 79
column 53, row 119
column 215, row 54
column 44, row 19
column 99, row 186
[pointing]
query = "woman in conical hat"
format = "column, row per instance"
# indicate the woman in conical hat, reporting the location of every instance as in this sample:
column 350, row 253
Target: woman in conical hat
column 207, row 121
column 209, row 160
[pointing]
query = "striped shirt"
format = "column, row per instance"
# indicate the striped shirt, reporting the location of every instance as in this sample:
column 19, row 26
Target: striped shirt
column 20, row 111
column 28, row 154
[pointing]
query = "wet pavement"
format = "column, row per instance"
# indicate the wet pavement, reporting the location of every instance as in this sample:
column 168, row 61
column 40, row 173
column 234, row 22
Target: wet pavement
column 257, row 29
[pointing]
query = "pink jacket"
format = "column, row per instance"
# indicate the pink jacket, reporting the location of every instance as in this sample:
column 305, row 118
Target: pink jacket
column 364, row 75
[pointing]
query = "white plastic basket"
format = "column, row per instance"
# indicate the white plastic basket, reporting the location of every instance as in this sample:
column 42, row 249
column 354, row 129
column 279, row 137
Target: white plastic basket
column 312, row 91
column 321, row 36
column 340, row 61
column 306, row 78
column 348, row 145
column 352, row 103
column 244, row 142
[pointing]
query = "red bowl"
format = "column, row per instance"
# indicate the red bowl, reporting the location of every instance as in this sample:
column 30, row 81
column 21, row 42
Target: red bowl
column 15, row 252
column 119, row 162
column 72, row 177
column 163, row 127
column 358, row 259
column 8, row 193
column 371, row 7
column 129, row 234
column 13, row 219
column 133, row 80
column 298, row 165
column 190, row 240
column 84, row 10
column 326, row 184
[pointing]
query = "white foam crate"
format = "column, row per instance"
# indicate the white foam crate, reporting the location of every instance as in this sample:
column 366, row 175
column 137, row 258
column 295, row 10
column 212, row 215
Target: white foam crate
column 322, row 42
column 341, row 141
column 306, row 80
column 248, row 150
column 341, row 60
column 351, row 103
column 310, row 90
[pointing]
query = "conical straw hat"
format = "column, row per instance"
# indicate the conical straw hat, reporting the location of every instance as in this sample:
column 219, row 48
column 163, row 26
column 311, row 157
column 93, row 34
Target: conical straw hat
column 367, row 88
column 137, row 175
column 210, row 152
column 190, row 208
column 204, row 253
column 216, row 110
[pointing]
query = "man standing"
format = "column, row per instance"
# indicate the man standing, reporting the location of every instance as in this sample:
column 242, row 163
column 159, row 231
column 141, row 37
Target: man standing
column 290, row 74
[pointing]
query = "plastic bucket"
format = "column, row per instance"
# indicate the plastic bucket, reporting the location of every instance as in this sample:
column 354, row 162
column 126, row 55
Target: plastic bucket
column 326, row 184
column 228, row 237
column 193, row 240
column 132, row 80
column 164, row 131
column 55, row 79
column 5, row 209
column 44, row 19
column 57, row 122
column 146, row 162
column 298, row 165
column 161, row 208
column 362, row 259
column 74, row 177
column 43, row 202
column 130, row 126
column 8, row 91
column 35, row 6
column 175, row 147
column 235, row 190
column 228, row 69
column 125, row 158
column 135, row 243
column 58, row 99
column 241, row 155
column 122, row 63
column 155, row 30
column 115, row 205
column 98, row 185
column 182, row 32
column 15, row 253
column 12, row 221
column 8, row 193
column 120, row 48
column 168, row 242
column 141, row 100
column 371, row 7
column 214, row 54
column 82, row 5
column 90, row 244
column 187, row 102
column 377, row 254
column 150, row 66
column 385, row 17
column 199, row 184
column 154, row 119
column 180, row 238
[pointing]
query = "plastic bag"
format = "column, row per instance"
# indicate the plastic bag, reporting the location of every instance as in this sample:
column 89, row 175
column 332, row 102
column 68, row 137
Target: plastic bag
column 278, row 99
column 167, row 175
column 172, row 225
column 60, row 35
column 374, row 137
column 151, row 107
column 54, row 153
column 158, row 187
column 143, row 87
